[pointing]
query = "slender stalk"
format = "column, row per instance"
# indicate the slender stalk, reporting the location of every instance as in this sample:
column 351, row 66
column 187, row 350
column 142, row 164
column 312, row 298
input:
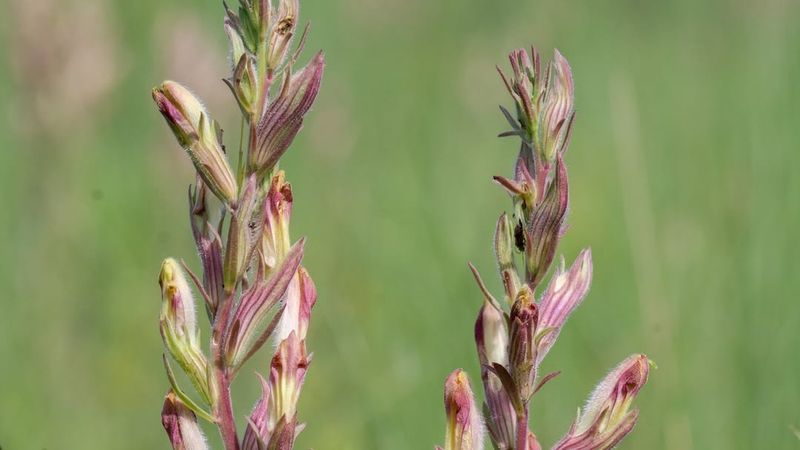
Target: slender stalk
column 522, row 429
column 223, row 408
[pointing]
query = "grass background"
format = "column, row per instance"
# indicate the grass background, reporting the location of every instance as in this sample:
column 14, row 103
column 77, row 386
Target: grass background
column 684, row 181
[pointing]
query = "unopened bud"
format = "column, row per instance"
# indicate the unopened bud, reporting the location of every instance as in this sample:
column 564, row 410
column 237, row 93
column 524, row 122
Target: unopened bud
column 268, row 429
column 524, row 87
column 558, row 108
column 545, row 226
column 276, row 240
column 260, row 423
column 178, row 310
column 504, row 243
column 244, row 84
column 544, row 106
column 178, row 325
column 464, row 425
column 491, row 335
column 491, row 338
column 196, row 133
column 287, row 373
column 564, row 293
column 504, row 252
column 501, row 417
column 181, row 425
column 607, row 416
column 284, row 116
column 209, row 246
column 522, row 348
column 242, row 235
column 299, row 300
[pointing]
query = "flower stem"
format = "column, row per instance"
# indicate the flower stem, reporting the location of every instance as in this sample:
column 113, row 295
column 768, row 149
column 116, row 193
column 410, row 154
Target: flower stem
column 522, row 429
column 225, row 420
column 223, row 409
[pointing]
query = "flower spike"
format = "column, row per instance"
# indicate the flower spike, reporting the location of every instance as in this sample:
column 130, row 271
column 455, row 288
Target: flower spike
column 252, row 284
column 512, row 342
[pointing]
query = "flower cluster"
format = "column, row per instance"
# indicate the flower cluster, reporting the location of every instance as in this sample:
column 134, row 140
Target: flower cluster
column 514, row 334
column 253, row 286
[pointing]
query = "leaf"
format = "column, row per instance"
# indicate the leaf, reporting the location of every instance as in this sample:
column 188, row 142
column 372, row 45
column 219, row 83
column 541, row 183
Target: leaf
column 182, row 395
column 544, row 380
column 252, row 311
column 508, row 385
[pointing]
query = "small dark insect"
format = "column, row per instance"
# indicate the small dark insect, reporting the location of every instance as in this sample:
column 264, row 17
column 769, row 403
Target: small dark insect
column 519, row 237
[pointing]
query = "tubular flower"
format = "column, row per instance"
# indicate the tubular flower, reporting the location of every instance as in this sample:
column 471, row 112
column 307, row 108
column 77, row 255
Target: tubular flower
column 607, row 416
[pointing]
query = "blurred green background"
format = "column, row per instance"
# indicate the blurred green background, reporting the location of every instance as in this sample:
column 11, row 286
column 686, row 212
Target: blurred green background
column 684, row 181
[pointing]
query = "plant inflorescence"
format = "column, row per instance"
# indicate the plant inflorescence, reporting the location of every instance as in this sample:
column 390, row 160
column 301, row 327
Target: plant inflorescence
column 253, row 288
column 515, row 333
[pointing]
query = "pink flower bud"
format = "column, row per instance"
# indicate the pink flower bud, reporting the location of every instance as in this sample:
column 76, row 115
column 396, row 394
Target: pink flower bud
column 287, row 373
column 522, row 349
column 259, row 428
column 195, row 132
column 545, row 226
column 558, row 108
column 544, row 106
column 301, row 295
column 564, row 293
column 277, row 214
column 181, row 425
column 273, row 422
column 607, row 416
column 242, row 235
column 284, row 117
column 464, row 425
column 178, row 309
column 524, row 87
column 491, row 339
column 491, row 335
column 178, row 325
column 209, row 246
column 501, row 419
